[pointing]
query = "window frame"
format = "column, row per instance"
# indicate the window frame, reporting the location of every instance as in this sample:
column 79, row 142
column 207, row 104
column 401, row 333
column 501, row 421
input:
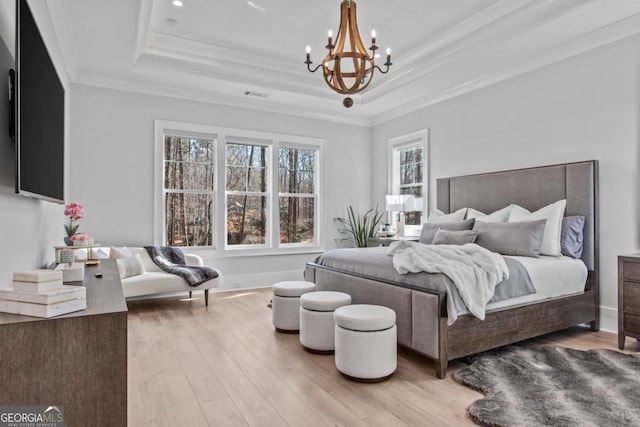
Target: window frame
column 221, row 136
column 268, row 193
column 212, row 192
column 418, row 138
column 315, row 194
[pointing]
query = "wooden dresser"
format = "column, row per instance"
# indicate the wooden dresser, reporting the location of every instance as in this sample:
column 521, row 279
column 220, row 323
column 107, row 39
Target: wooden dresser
column 628, row 297
column 77, row 360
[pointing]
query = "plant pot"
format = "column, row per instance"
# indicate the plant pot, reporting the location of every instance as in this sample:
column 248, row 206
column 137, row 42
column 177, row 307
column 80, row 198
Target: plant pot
column 68, row 241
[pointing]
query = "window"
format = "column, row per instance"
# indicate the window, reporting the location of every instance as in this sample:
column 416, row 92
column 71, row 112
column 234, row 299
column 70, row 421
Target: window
column 247, row 195
column 408, row 173
column 297, row 194
column 267, row 195
column 188, row 190
column 410, row 177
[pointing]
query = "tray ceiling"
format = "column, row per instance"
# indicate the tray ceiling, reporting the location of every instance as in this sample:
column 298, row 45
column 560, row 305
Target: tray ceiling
column 251, row 53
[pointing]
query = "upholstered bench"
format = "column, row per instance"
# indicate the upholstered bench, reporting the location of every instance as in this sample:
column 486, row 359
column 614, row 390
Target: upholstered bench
column 285, row 304
column 317, row 326
column 365, row 342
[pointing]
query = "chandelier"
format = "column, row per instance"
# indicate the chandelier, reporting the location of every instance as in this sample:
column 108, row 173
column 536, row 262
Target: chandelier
column 354, row 74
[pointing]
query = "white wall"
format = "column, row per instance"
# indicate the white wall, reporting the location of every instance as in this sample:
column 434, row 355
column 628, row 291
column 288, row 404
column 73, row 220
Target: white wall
column 582, row 108
column 112, row 149
column 29, row 228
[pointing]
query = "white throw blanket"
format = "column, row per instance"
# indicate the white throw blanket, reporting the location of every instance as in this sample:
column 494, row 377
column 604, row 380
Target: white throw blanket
column 474, row 270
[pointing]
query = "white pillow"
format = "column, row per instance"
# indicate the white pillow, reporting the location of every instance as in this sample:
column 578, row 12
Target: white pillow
column 553, row 213
column 100, row 254
column 438, row 216
column 81, row 254
column 115, row 253
column 130, row 266
column 501, row 215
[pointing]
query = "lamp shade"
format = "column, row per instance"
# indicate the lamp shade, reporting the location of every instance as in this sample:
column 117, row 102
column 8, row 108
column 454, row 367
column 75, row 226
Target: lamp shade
column 402, row 203
column 417, row 205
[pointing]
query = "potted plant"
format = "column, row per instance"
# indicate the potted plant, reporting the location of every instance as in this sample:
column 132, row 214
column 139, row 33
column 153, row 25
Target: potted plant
column 360, row 226
column 75, row 212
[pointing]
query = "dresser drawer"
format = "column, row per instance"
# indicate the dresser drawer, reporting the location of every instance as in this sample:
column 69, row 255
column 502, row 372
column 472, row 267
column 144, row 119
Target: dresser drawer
column 631, row 270
column 631, row 301
column 631, row 324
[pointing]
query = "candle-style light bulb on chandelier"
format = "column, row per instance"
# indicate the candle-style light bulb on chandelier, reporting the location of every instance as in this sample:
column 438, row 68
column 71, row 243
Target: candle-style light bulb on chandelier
column 354, row 74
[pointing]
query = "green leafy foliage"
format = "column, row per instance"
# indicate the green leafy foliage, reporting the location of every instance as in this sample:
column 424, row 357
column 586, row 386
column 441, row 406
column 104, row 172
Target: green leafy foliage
column 360, row 226
column 71, row 228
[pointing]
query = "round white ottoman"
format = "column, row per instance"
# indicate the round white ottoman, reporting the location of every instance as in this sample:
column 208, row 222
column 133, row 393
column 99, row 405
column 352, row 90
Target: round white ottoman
column 366, row 342
column 317, row 326
column 285, row 304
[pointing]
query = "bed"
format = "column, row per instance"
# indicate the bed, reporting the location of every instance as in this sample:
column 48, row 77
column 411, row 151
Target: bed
column 422, row 317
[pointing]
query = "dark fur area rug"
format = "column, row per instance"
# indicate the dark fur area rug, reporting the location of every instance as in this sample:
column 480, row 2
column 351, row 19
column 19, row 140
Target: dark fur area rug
column 554, row 386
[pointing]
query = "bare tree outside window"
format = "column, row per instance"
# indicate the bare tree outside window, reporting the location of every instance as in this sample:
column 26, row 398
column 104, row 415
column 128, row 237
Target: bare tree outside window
column 236, row 189
column 296, row 194
column 188, row 190
column 411, row 171
column 246, row 195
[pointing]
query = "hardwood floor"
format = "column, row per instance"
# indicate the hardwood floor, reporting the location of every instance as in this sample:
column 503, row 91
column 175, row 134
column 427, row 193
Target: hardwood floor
column 224, row 365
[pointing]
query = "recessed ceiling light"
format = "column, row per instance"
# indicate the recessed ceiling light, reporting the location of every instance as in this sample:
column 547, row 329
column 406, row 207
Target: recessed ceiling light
column 177, row 3
column 171, row 22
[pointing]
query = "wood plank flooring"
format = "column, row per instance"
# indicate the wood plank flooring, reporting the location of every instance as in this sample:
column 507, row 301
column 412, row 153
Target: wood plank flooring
column 224, row 365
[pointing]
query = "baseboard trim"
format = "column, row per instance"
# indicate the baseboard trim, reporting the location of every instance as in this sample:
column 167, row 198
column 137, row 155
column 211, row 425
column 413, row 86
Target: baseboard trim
column 237, row 282
column 609, row 319
column 232, row 282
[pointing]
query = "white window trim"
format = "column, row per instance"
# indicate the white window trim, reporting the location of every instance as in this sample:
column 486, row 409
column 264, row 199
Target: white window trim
column 395, row 144
column 222, row 135
column 268, row 241
column 316, row 196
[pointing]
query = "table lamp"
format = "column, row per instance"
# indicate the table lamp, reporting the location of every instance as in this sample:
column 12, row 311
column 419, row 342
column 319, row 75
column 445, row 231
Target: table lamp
column 401, row 203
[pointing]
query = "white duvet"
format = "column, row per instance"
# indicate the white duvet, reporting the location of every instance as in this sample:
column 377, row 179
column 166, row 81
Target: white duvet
column 474, row 270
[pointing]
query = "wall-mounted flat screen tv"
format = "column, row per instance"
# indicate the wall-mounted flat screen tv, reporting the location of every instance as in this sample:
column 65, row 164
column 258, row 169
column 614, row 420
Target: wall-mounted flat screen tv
column 39, row 114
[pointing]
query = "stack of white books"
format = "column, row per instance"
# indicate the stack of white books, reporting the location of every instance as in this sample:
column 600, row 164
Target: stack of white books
column 73, row 272
column 41, row 293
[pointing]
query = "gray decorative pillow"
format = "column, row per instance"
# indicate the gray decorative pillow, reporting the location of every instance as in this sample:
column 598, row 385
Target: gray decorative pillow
column 429, row 229
column 511, row 238
column 448, row 237
column 130, row 266
column 571, row 236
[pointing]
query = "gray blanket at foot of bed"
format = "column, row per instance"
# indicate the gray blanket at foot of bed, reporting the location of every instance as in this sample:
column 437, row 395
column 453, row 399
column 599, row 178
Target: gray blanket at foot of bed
column 375, row 263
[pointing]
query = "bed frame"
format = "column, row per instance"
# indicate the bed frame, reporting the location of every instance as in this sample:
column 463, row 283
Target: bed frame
column 421, row 317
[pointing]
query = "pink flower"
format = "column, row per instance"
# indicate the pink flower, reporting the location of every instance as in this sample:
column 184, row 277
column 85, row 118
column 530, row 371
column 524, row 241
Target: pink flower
column 80, row 237
column 74, row 211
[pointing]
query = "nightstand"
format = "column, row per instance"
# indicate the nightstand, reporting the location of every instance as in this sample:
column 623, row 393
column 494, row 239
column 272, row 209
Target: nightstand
column 386, row 241
column 628, row 297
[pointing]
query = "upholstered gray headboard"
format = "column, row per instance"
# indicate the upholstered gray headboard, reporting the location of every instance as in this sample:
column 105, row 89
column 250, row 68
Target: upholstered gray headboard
column 531, row 188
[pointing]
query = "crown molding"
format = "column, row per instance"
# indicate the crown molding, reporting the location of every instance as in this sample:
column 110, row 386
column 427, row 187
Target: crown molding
column 8, row 25
column 144, row 20
column 60, row 20
column 614, row 32
column 162, row 90
column 493, row 42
